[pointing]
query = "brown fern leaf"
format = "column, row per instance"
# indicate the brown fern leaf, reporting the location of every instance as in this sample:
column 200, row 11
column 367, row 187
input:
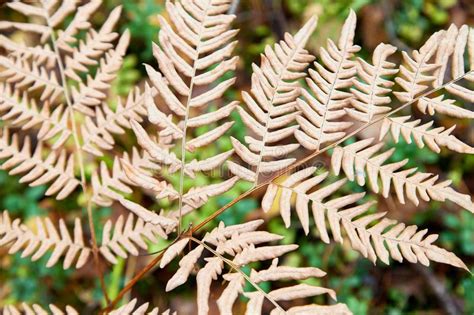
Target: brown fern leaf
column 434, row 137
column 465, row 39
column 22, row 112
column 357, row 161
column 274, row 91
column 93, row 47
column 126, row 236
column 40, row 54
column 320, row 122
column 57, row 170
column 31, row 75
column 36, row 244
column 92, row 93
column 371, row 92
column 67, row 37
column 131, row 308
column 343, row 213
column 98, row 136
column 243, row 245
column 451, row 49
column 128, row 171
column 36, row 309
column 194, row 52
column 46, row 11
column 445, row 47
column 418, row 70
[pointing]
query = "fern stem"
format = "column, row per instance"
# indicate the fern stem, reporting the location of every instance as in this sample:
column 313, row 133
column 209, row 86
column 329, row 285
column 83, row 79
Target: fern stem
column 234, row 266
column 80, row 158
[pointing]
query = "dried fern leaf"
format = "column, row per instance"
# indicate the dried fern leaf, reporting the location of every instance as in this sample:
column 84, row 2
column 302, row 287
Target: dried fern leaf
column 107, row 185
column 67, row 38
column 40, row 54
column 121, row 239
column 92, row 93
column 36, row 309
column 46, row 236
column 339, row 308
column 418, row 71
column 46, row 11
column 422, row 134
column 198, row 196
column 57, row 170
column 131, row 308
column 20, row 111
column 319, row 122
column 373, row 235
column 274, row 91
column 98, row 135
column 39, row 29
column 194, row 51
column 357, row 161
column 444, row 55
column 371, row 92
column 243, row 245
column 464, row 45
column 443, row 106
column 31, row 76
column 93, row 47
column 148, row 216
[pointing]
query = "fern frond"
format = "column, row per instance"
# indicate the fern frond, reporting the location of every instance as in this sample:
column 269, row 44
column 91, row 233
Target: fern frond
column 418, row 71
column 451, row 49
column 243, row 245
column 121, row 239
column 274, row 90
column 339, row 308
column 93, row 47
column 47, row 11
column 37, row 243
column 23, row 112
column 98, row 135
column 194, row 52
column 434, row 137
column 131, row 308
column 36, row 309
column 371, row 92
column 93, row 92
column 107, row 185
column 334, row 73
column 443, row 106
column 57, row 170
column 368, row 234
column 465, row 39
column 40, row 54
column 66, row 38
column 39, row 29
column 31, row 75
column 357, row 160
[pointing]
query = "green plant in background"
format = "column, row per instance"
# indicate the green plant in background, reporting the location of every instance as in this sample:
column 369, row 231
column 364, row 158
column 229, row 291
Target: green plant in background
column 143, row 25
column 414, row 18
